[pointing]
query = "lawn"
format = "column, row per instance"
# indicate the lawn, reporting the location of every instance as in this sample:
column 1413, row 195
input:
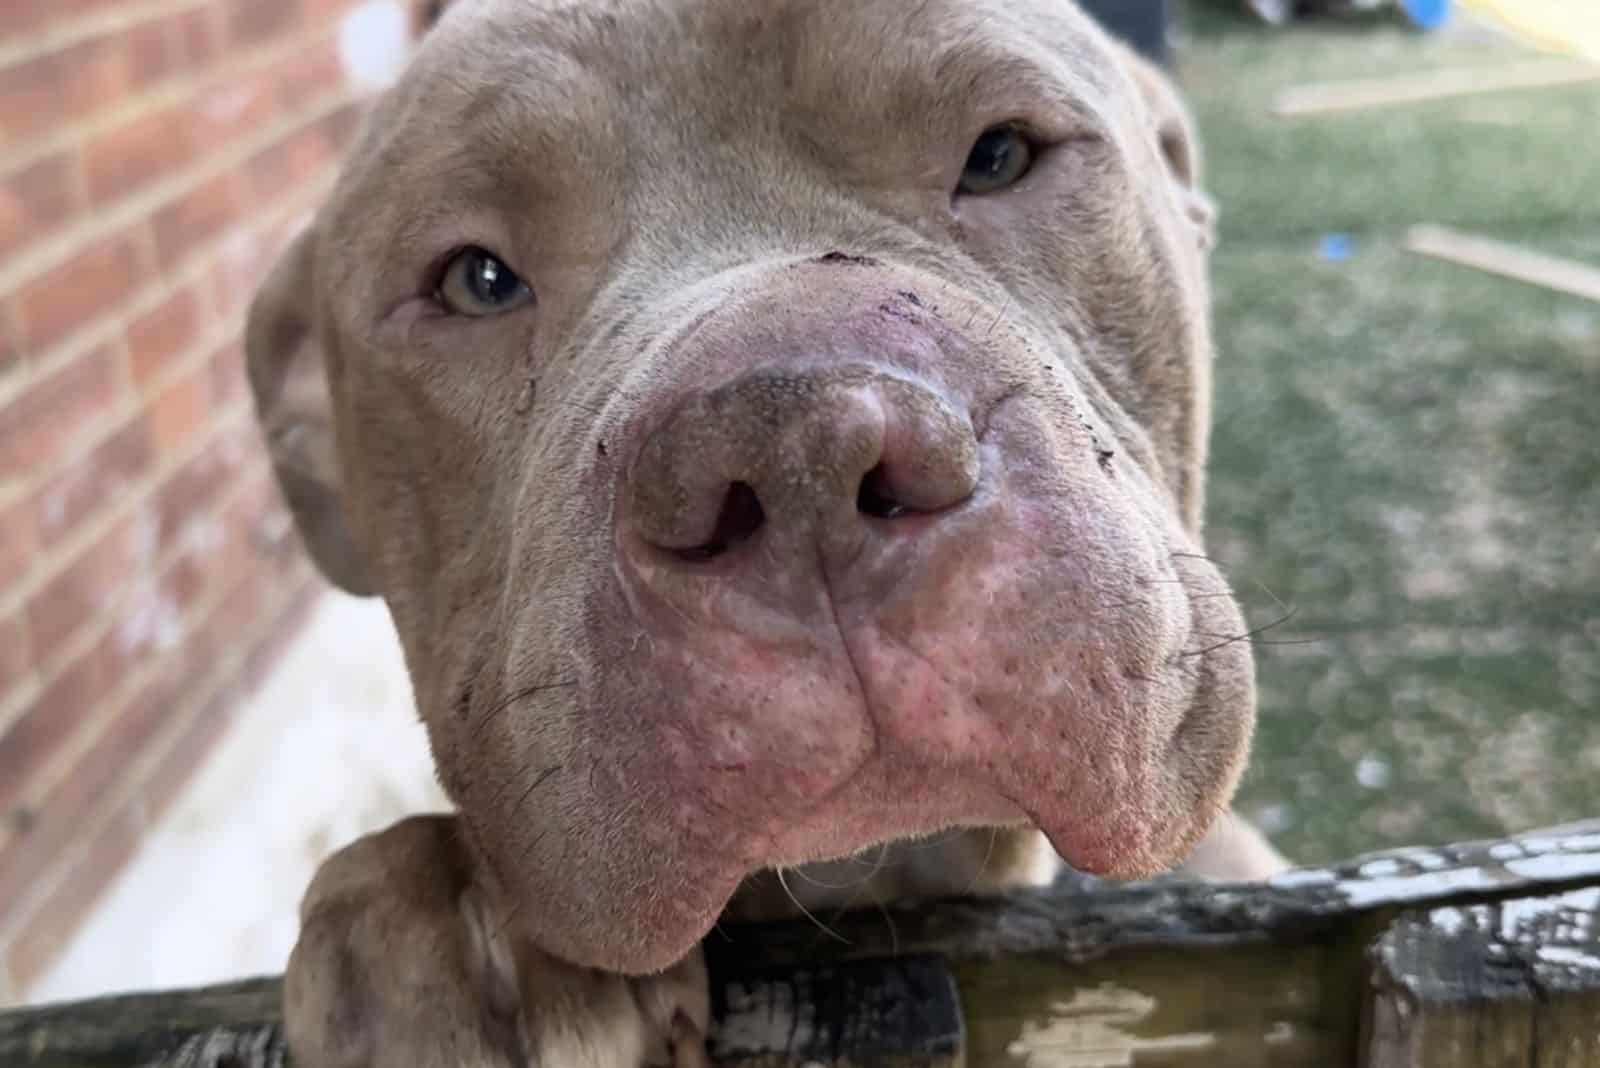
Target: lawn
column 1406, row 454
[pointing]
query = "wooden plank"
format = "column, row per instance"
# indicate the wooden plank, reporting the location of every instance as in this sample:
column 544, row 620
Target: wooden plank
column 1505, row 985
column 1166, row 973
column 1322, row 98
column 1507, row 261
column 900, row 1012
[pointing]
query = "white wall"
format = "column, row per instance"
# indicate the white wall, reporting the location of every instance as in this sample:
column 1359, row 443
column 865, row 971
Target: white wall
column 329, row 749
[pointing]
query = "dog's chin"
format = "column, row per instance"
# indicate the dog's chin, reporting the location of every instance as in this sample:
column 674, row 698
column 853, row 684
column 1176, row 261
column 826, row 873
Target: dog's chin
column 640, row 897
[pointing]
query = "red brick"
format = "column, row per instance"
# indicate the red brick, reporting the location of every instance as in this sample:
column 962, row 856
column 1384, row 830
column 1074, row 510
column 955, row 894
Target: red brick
column 94, row 481
column 64, row 706
column 243, row 262
column 104, row 71
column 343, row 125
column 181, row 410
column 229, row 385
column 203, row 214
column 309, row 72
column 91, row 584
column 251, row 597
column 36, row 200
column 261, row 531
column 31, row 98
column 15, row 663
column 251, row 22
column 177, row 766
column 163, row 334
column 267, row 650
column 38, row 427
column 59, row 914
column 293, row 161
column 17, row 542
column 79, row 291
column 198, row 484
column 10, row 331
column 126, row 158
column 323, row 10
column 20, row 16
column 45, row 828
column 239, row 105
column 86, row 77
column 200, row 30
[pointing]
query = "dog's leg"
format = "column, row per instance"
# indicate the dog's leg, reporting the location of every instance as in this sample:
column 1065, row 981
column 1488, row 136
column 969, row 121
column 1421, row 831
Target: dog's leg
column 966, row 861
column 1234, row 851
column 974, row 861
column 401, row 962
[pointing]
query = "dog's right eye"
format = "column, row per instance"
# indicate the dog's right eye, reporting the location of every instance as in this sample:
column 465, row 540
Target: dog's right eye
column 477, row 283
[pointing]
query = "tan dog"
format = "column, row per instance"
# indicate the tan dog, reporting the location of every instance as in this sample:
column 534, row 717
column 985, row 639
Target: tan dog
column 777, row 430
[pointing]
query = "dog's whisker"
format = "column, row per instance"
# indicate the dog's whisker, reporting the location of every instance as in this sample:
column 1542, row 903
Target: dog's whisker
column 538, row 781
column 1282, row 607
column 823, row 884
column 983, row 866
column 1004, row 309
column 1249, row 635
column 520, row 695
column 894, row 931
column 824, row 928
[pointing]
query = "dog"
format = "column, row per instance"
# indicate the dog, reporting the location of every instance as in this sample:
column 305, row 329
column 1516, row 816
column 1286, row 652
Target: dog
column 778, row 432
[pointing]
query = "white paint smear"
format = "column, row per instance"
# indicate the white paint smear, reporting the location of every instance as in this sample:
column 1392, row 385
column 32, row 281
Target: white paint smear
column 1363, row 892
column 1306, row 877
column 1568, row 956
column 1556, row 866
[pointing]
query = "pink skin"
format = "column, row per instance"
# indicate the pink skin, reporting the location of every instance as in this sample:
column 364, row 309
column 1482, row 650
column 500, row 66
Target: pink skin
column 1014, row 650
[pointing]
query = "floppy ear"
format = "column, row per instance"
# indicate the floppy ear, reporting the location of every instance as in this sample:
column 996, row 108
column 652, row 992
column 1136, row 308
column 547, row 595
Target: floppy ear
column 288, row 378
column 1175, row 136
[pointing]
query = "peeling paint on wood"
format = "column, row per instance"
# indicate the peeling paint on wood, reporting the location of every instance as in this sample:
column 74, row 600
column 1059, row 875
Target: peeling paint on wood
column 1515, row 982
column 1470, row 956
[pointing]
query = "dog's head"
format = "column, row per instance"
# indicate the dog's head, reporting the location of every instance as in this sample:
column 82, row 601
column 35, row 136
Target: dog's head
column 775, row 428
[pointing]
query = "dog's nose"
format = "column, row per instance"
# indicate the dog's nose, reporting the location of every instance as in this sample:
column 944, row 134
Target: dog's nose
column 806, row 463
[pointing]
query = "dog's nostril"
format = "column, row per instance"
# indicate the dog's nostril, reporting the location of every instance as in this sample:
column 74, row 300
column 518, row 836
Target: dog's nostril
column 876, row 497
column 741, row 516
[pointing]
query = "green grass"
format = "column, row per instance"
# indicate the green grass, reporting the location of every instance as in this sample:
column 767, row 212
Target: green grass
column 1406, row 453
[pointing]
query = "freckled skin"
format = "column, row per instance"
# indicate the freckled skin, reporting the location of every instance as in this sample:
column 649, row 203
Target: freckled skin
column 841, row 510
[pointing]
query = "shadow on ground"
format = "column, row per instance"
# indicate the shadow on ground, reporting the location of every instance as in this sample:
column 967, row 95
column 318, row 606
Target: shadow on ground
column 1406, row 454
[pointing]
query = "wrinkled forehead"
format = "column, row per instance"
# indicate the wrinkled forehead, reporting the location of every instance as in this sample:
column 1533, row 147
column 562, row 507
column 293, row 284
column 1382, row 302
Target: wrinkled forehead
column 499, row 65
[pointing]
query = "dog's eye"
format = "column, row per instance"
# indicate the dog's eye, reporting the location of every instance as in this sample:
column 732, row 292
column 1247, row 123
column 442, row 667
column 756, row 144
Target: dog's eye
column 1000, row 158
column 477, row 283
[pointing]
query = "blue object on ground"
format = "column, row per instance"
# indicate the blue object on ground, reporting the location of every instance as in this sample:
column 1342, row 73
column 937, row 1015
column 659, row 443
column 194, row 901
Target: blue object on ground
column 1427, row 14
column 1336, row 248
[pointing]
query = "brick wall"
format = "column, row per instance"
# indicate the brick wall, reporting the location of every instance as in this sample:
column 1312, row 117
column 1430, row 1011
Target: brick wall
column 154, row 156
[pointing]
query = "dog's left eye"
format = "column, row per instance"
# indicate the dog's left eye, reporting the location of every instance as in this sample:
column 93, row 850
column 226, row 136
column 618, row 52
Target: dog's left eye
column 478, row 283
column 999, row 159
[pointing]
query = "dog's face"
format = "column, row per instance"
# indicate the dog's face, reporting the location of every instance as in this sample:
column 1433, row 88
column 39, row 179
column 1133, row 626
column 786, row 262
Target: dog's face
column 775, row 428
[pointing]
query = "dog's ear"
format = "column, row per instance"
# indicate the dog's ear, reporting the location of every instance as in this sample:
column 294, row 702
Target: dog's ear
column 1175, row 136
column 288, row 378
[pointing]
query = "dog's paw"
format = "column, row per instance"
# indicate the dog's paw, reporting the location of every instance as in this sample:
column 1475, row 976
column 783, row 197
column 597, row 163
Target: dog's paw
column 400, row 962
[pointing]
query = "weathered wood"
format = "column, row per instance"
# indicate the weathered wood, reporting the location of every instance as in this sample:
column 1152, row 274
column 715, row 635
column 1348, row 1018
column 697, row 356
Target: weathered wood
column 1428, row 85
column 231, row 1026
column 1507, row 261
column 900, row 1012
column 1508, row 984
column 1167, row 973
